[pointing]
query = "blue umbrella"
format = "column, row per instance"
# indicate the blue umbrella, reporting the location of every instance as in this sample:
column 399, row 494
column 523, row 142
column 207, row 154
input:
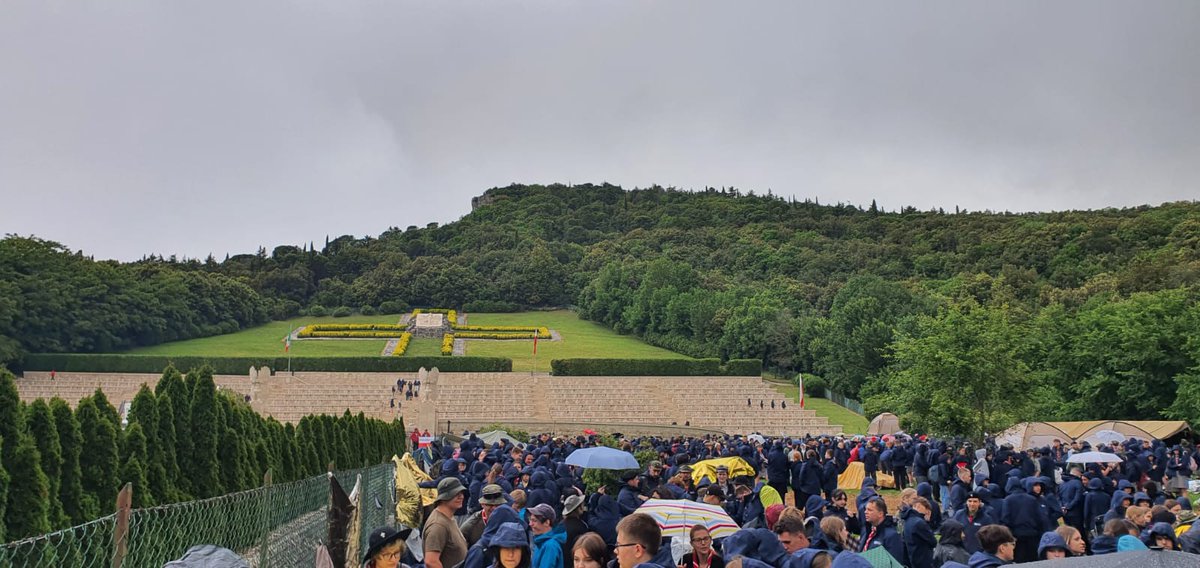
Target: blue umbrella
column 602, row 458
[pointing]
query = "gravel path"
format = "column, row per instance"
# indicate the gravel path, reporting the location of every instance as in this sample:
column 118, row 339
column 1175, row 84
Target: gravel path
column 387, row 349
column 460, row 347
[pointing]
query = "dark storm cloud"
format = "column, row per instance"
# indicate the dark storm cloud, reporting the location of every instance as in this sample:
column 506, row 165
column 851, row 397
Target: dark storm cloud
column 189, row 128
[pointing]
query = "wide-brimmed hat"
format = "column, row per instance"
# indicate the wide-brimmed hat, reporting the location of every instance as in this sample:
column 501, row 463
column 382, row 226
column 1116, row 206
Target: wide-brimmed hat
column 573, row 502
column 492, row 495
column 448, row 488
column 382, row 537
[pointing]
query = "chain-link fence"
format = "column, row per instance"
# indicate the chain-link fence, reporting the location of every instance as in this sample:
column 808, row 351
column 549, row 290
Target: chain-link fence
column 275, row 525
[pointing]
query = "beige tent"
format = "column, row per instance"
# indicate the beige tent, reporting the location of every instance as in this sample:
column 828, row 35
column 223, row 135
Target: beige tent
column 886, row 423
column 1140, row 429
column 1032, row 435
column 1041, row 434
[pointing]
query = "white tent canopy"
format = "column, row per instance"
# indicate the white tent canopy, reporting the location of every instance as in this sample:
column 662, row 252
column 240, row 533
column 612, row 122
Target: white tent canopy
column 494, row 436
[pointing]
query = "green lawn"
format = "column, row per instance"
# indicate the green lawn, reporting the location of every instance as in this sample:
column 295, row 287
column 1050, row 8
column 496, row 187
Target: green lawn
column 580, row 339
column 424, row 348
column 851, row 422
column 267, row 341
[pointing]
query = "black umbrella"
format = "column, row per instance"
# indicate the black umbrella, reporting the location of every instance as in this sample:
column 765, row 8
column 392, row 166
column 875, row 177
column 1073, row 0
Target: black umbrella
column 1131, row 559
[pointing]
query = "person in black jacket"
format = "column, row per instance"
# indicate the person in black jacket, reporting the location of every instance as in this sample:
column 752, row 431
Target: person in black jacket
column 919, row 541
column 839, row 507
column 870, row 460
column 950, row 547
column 900, row 461
column 1023, row 516
column 880, row 530
column 829, row 475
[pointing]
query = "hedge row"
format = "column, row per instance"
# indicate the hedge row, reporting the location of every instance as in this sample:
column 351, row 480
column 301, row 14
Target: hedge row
column 495, row 335
column 527, row 328
column 354, row 327
column 653, row 367
column 121, row 363
column 447, row 345
column 352, row 334
column 402, row 345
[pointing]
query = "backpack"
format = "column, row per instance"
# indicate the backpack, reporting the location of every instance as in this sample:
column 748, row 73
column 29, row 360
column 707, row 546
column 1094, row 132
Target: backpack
column 935, row 474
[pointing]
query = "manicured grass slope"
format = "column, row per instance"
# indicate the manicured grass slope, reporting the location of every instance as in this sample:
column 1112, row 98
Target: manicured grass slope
column 851, row 422
column 580, row 339
column 267, row 341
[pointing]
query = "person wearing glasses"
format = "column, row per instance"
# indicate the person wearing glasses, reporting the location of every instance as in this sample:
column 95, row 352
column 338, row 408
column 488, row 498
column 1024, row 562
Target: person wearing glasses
column 702, row 554
column 999, row 547
column 385, row 547
column 638, row 539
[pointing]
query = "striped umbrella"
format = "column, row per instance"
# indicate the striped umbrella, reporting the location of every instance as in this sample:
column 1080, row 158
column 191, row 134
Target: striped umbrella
column 677, row 516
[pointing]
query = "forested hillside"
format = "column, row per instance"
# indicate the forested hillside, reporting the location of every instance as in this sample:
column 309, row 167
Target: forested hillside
column 960, row 321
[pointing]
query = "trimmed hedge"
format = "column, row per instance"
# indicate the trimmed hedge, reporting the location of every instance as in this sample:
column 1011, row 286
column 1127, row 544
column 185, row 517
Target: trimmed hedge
column 652, row 367
column 121, row 363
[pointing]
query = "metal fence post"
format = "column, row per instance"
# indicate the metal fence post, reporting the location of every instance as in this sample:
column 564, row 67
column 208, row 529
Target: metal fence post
column 264, row 544
column 121, row 532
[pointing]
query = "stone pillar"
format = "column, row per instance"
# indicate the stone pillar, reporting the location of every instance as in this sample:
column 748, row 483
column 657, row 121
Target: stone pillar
column 427, row 411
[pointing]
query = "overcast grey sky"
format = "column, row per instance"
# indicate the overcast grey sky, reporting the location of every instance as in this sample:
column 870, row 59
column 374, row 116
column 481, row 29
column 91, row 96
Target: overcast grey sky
column 187, row 128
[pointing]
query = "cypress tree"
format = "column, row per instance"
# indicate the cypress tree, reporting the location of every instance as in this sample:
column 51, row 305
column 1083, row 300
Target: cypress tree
column 78, row 507
column 144, row 412
column 45, row 437
column 166, row 433
column 133, row 465
column 203, row 469
column 99, row 463
column 26, row 510
column 173, row 394
column 28, row 491
column 285, row 440
column 107, row 410
column 4, row 481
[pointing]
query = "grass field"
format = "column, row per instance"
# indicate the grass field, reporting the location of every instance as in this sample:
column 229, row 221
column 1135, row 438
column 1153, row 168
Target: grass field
column 580, row 339
column 424, row 348
column 267, row 341
column 851, row 422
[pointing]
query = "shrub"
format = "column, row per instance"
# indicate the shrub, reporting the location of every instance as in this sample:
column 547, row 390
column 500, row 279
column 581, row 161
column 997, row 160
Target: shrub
column 744, row 367
column 317, row 310
column 653, row 367
column 491, row 306
column 122, row 363
column 447, row 345
column 402, row 345
column 342, row 311
column 393, row 307
column 367, row 310
column 814, row 386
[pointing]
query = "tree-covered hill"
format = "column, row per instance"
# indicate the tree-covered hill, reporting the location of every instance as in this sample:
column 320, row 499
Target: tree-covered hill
column 1091, row 303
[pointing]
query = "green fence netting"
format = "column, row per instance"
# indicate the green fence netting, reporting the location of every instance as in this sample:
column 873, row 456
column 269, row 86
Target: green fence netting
column 276, row 525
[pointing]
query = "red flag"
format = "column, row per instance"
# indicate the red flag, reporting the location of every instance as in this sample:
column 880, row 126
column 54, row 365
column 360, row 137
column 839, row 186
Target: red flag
column 535, row 343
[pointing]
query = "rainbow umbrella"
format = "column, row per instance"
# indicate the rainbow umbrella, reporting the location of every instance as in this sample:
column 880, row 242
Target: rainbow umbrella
column 677, row 516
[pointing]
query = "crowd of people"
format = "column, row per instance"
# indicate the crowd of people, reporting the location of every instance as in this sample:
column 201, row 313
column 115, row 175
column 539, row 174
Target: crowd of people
column 509, row 505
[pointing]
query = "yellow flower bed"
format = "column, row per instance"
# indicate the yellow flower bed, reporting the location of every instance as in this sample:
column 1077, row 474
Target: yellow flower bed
column 448, row 344
column 402, row 345
column 488, row 335
column 352, row 334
